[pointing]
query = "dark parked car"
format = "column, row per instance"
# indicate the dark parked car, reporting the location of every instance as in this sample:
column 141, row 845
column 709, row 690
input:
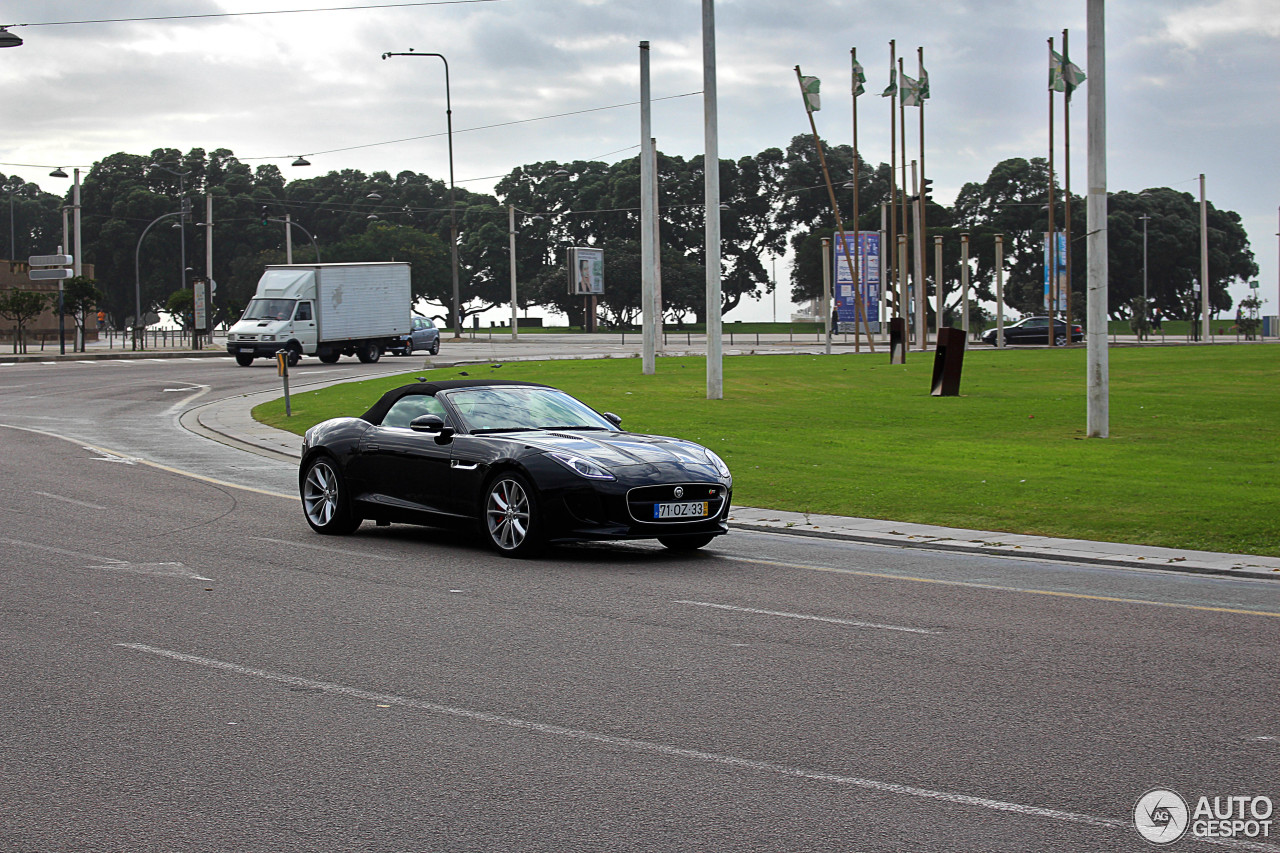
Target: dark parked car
column 524, row 463
column 422, row 335
column 1035, row 330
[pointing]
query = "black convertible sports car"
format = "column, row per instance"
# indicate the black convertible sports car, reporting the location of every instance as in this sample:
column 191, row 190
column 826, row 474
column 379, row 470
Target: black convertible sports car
column 525, row 463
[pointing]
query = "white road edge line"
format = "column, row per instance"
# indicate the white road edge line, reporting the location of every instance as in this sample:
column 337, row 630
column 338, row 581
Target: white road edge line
column 85, row 504
column 829, row 619
column 631, row 743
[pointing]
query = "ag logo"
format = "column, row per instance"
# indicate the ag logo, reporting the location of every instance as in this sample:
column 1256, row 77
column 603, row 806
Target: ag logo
column 679, row 491
column 1161, row 816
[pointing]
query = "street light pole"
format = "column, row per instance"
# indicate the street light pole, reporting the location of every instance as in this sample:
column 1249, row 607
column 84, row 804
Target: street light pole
column 182, row 203
column 453, row 213
column 511, row 237
column 1145, row 309
column 137, row 278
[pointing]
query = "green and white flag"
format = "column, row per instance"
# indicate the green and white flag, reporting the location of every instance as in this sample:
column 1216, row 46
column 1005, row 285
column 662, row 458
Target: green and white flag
column 1064, row 75
column 924, row 84
column 859, row 77
column 893, row 84
column 809, row 85
column 911, row 92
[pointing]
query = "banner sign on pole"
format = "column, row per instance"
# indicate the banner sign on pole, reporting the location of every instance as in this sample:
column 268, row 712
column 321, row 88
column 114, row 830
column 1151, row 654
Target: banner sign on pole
column 201, row 308
column 867, row 257
column 586, row 272
column 1057, row 267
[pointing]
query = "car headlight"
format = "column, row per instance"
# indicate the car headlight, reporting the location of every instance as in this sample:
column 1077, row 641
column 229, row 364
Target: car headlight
column 722, row 468
column 582, row 467
column 267, row 338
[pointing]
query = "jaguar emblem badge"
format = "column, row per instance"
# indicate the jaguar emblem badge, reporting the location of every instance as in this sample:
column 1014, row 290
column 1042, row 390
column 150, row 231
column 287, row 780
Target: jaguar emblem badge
column 679, row 491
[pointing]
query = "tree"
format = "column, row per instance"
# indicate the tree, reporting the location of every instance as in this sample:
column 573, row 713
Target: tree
column 181, row 305
column 21, row 307
column 80, row 297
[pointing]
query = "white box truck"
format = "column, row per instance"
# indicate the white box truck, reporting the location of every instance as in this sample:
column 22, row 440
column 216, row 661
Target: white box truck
column 325, row 310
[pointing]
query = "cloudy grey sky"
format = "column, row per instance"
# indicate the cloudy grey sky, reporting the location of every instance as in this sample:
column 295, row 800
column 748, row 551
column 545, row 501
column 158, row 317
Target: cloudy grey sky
column 1192, row 86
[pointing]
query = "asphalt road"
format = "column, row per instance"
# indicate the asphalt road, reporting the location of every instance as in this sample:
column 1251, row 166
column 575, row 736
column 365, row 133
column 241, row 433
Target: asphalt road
column 184, row 665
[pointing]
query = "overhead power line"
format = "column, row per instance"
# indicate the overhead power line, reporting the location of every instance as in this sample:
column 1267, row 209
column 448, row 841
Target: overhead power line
column 248, row 14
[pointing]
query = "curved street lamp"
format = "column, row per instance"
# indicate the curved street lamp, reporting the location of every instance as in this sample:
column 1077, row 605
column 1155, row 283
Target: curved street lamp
column 453, row 214
column 8, row 39
column 137, row 279
column 182, row 201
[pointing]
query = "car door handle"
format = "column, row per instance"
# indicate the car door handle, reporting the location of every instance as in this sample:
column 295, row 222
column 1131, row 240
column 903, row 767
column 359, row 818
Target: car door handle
column 463, row 466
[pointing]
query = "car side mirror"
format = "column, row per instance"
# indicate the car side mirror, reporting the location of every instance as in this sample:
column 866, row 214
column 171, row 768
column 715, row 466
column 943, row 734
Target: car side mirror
column 432, row 424
column 613, row 419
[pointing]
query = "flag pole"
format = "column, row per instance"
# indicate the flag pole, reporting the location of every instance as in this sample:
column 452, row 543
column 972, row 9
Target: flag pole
column 1051, row 259
column 1066, row 169
column 835, row 209
column 924, row 228
column 898, row 295
column 856, row 271
column 905, row 259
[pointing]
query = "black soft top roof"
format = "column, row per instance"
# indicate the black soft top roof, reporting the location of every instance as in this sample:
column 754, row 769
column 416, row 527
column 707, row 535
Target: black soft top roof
column 379, row 409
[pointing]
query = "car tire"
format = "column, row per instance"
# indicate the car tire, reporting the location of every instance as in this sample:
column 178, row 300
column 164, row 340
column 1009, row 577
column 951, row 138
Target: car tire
column 293, row 354
column 435, row 347
column 328, row 356
column 509, row 518
column 244, row 359
column 369, row 353
column 686, row 543
column 325, row 500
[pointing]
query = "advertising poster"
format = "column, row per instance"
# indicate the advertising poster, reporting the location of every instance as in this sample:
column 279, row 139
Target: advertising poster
column 586, row 271
column 867, row 257
column 1055, row 265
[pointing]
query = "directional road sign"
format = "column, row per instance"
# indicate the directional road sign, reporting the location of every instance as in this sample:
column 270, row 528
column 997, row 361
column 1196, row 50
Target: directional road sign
column 45, row 275
column 50, row 261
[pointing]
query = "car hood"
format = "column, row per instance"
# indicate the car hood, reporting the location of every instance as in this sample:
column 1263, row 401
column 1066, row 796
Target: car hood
column 618, row 449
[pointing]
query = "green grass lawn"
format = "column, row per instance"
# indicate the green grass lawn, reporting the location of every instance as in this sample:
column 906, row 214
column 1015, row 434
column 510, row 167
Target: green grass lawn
column 1193, row 460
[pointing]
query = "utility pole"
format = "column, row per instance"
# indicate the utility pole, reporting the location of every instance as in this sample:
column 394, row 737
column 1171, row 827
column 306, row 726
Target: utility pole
column 1098, row 418
column 711, row 176
column 647, row 320
column 1204, row 264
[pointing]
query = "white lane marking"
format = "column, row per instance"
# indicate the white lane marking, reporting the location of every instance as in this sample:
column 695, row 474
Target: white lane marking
column 70, row 500
column 79, row 555
column 107, row 455
column 832, row 620
column 196, row 392
column 160, row 570
column 629, row 743
column 391, row 699
column 363, row 555
column 111, row 564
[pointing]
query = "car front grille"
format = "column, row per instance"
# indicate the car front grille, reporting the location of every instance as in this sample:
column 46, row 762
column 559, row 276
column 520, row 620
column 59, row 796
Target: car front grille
column 642, row 500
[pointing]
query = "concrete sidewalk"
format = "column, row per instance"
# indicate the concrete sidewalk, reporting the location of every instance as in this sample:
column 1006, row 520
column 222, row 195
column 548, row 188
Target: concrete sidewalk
column 229, row 421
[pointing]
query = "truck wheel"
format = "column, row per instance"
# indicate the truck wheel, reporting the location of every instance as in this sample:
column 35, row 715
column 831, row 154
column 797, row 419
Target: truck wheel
column 369, row 353
column 293, row 354
column 328, row 356
column 244, row 359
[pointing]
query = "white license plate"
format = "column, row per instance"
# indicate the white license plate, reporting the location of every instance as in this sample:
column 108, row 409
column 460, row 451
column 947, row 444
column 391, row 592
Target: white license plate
column 697, row 509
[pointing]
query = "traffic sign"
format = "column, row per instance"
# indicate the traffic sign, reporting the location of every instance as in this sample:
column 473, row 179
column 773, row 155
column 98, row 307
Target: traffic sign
column 45, row 275
column 50, row 261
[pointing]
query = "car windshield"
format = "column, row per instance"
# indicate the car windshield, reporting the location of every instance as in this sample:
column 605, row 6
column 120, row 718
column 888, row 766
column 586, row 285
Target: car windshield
column 268, row 309
column 498, row 409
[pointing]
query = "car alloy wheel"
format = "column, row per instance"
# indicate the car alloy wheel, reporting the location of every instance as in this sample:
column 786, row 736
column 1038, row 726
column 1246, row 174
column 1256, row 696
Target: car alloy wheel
column 510, row 516
column 324, row 499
